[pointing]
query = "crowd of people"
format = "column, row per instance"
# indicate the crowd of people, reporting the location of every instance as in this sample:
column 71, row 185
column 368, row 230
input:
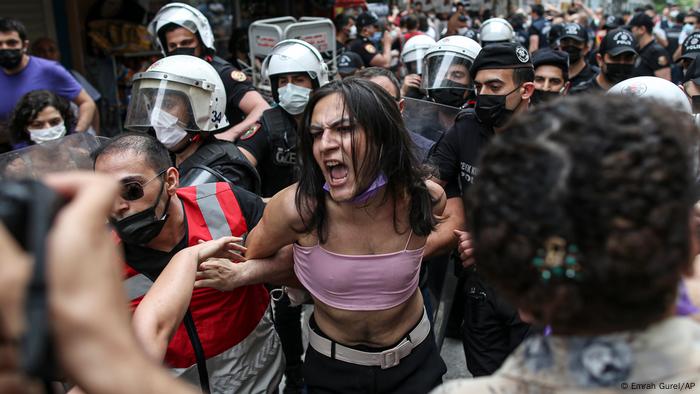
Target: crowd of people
column 435, row 134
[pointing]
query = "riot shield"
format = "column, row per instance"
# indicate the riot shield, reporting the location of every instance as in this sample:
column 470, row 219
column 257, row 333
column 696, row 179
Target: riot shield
column 71, row 152
column 429, row 119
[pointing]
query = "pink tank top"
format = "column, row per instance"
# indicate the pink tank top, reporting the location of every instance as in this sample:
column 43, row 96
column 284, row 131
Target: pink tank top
column 358, row 282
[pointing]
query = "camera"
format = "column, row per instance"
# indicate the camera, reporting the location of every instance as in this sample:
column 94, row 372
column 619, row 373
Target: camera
column 28, row 209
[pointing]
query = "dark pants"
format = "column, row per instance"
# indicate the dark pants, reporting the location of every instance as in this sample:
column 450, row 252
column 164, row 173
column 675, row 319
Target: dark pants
column 288, row 325
column 418, row 373
column 492, row 328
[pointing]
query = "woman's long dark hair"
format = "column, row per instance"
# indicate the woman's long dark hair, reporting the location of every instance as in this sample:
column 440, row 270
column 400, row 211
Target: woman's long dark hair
column 29, row 107
column 389, row 151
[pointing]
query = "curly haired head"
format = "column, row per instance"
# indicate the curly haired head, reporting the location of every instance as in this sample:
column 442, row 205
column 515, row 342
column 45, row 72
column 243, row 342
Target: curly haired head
column 606, row 175
column 29, row 106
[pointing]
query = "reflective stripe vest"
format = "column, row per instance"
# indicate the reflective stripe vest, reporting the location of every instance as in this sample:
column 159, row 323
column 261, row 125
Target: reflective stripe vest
column 223, row 319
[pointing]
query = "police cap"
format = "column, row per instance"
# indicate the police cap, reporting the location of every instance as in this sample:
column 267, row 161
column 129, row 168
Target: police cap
column 502, row 55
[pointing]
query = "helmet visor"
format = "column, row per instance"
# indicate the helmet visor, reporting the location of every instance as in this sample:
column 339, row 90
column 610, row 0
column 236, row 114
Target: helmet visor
column 444, row 70
column 152, row 100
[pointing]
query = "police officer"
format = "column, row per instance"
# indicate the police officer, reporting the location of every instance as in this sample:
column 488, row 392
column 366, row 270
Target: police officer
column 689, row 50
column 366, row 28
column 412, row 55
column 691, row 85
column 503, row 76
column 551, row 75
column 294, row 68
column 179, row 29
column 539, row 28
column 653, row 58
column 616, row 58
column 446, row 78
column 182, row 100
column 574, row 41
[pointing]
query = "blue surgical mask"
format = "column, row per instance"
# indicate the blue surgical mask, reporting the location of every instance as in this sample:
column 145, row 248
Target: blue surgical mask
column 688, row 28
column 293, row 98
column 376, row 37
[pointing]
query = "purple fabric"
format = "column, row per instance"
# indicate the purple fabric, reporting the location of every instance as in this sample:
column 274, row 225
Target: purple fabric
column 363, row 197
column 684, row 306
column 39, row 74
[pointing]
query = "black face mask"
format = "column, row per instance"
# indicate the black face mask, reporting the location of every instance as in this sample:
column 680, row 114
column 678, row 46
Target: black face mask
column 182, row 51
column 10, row 58
column 543, row 96
column 615, row 73
column 574, row 53
column 491, row 109
column 451, row 93
column 140, row 228
column 696, row 103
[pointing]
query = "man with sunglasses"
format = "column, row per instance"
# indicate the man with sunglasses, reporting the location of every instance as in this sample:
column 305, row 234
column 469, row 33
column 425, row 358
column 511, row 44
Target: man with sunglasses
column 227, row 342
column 503, row 76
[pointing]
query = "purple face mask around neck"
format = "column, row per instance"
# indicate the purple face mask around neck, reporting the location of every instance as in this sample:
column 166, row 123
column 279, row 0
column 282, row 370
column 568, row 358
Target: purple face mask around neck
column 372, row 190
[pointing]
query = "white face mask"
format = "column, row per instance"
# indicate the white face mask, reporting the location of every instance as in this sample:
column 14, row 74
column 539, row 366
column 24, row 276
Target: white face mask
column 293, row 98
column 353, row 32
column 168, row 131
column 48, row 134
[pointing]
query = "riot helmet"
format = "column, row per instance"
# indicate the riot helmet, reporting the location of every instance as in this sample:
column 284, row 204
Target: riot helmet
column 496, row 30
column 176, row 96
column 294, row 57
column 446, row 66
column 654, row 88
column 413, row 52
column 185, row 16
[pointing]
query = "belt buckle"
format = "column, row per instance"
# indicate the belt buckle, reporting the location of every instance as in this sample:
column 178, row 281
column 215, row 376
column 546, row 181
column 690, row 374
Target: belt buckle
column 389, row 358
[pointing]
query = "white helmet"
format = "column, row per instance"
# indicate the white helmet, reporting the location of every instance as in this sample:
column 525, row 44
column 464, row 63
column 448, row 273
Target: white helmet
column 184, row 16
column 185, row 87
column 413, row 52
column 294, row 57
column 654, row 88
column 439, row 62
column 496, row 30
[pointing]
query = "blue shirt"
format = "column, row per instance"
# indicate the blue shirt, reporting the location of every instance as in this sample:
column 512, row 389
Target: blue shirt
column 39, row 74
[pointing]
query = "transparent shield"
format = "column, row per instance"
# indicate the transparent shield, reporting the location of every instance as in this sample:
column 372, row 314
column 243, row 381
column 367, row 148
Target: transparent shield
column 431, row 120
column 160, row 102
column 446, row 70
column 72, row 152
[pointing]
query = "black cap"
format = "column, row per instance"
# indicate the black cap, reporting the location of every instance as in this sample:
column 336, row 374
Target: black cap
column 613, row 22
column 555, row 32
column 349, row 62
column 691, row 46
column 497, row 56
column 366, row 19
column 551, row 57
column 693, row 72
column 574, row 31
column 642, row 19
column 616, row 42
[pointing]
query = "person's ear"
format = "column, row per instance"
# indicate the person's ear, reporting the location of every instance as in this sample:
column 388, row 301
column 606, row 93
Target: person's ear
column 599, row 60
column 172, row 179
column 565, row 89
column 402, row 105
column 527, row 90
column 25, row 46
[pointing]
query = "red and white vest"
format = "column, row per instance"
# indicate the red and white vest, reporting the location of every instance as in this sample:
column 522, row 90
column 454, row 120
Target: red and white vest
column 222, row 319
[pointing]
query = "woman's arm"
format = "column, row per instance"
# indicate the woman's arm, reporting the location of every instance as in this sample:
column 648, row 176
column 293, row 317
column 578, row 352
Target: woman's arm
column 161, row 310
column 438, row 196
column 278, row 227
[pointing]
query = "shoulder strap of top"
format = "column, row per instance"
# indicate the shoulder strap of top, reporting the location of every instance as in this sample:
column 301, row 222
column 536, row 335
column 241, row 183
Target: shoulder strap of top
column 409, row 239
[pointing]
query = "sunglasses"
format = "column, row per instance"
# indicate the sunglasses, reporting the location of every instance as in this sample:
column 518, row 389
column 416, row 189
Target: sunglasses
column 133, row 190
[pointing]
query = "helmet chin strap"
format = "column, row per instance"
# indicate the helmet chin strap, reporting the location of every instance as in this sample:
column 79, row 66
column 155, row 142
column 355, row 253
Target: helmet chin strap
column 190, row 140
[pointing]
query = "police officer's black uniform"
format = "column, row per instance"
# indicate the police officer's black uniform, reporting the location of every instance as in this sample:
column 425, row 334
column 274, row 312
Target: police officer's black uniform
column 492, row 328
column 651, row 57
column 582, row 77
column 273, row 144
column 219, row 161
column 236, row 85
column 364, row 47
column 590, row 86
